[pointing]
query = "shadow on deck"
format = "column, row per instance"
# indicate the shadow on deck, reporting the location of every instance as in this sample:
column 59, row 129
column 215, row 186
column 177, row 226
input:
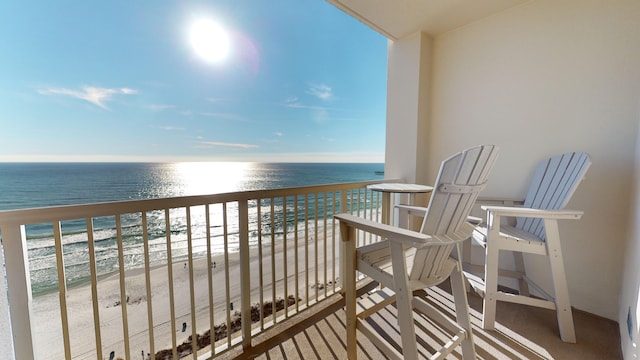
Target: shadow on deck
column 522, row 332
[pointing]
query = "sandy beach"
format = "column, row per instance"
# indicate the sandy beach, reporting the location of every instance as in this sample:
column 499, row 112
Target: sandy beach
column 47, row 319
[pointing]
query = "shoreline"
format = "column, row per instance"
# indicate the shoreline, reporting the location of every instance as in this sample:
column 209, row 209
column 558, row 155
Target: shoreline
column 48, row 338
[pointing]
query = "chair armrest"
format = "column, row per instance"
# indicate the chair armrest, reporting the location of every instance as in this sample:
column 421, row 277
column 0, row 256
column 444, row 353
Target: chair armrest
column 533, row 213
column 422, row 211
column 412, row 238
column 499, row 202
column 413, row 210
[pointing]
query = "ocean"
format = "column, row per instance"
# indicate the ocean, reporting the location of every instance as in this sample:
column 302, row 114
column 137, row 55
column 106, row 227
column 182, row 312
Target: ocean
column 31, row 185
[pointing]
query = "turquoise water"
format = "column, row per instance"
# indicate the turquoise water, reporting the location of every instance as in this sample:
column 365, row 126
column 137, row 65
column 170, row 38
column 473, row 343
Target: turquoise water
column 29, row 185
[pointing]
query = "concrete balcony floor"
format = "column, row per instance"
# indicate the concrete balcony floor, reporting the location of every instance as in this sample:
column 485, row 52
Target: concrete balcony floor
column 522, row 332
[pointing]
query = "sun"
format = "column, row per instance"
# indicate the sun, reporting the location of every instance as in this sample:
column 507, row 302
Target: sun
column 209, row 40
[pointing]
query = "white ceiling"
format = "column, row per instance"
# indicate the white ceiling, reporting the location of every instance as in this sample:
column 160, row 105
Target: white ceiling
column 396, row 19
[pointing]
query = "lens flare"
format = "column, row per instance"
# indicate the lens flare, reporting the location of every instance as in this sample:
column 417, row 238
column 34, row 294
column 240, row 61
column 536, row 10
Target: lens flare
column 209, row 40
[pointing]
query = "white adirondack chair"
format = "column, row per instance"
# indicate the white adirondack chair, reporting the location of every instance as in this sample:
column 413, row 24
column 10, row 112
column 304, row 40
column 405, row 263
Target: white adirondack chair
column 536, row 232
column 406, row 260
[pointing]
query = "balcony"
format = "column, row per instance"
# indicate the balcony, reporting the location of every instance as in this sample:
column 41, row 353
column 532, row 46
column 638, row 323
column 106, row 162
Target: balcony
column 247, row 274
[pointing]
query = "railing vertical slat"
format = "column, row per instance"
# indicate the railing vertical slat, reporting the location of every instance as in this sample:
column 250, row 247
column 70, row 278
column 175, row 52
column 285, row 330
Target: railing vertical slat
column 295, row 246
column 207, row 218
column 260, row 263
column 273, row 262
column 378, row 205
column 172, row 305
column 343, row 208
column 245, row 272
column 368, row 201
column 62, row 281
column 284, row 256
column 357, row 200
column 306, row 248
column 123, row 288
column 147, row 276
column 192, row 286
column 225, row 228
column 94, row 287
column 324, row 251
column 333, row 240
column 315, row 243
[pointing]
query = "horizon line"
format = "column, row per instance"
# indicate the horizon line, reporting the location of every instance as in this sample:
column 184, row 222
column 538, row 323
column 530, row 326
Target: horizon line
column 307, row 158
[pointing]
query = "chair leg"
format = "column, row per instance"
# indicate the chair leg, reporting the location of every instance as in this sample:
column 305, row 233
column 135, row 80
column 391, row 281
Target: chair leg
column 462, row 311
column 563, row 305
column 492, row 251
column 464, row 254
column 348, row 236
column 523, row 286
column 403, row 302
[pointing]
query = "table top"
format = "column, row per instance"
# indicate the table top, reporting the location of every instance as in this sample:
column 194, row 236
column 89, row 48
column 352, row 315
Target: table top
column 400, row 188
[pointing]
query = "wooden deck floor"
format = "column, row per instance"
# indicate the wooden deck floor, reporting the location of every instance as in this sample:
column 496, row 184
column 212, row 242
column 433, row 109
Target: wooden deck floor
column 521, row 333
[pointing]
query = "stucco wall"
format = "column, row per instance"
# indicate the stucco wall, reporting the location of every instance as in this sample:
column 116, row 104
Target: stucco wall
column 540, row 79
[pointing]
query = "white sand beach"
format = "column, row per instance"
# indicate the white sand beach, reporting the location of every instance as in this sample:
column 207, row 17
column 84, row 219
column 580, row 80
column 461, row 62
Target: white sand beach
column 47, row 319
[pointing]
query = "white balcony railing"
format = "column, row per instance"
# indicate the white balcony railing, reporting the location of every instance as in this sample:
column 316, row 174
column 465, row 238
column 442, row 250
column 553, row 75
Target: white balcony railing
column 145, row 277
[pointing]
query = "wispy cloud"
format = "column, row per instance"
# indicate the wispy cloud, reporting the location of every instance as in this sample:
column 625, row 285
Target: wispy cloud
column 274, row 140
column 294, row 102
column 95, row 95
column 207, row 144
column 171, row 128
column 320, row 91
column 160, row 107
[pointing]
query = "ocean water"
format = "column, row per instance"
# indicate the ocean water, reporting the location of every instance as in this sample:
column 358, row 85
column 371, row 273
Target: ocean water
column 31, row 185
column 28, row 185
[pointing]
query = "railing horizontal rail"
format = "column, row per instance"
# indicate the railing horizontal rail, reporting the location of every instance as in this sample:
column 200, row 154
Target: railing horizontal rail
column 70, row 212
column 179, row 274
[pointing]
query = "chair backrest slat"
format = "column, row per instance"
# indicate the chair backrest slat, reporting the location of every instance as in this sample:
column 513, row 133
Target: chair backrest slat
column 461, row 178
column 449, row 210
column 554, row 182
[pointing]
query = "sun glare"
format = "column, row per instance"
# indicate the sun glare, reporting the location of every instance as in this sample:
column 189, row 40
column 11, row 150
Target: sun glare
column 200, row 178
column 209, row 40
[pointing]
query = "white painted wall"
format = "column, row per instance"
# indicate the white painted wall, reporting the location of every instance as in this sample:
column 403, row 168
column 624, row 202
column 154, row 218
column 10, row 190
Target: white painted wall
column 544, row 78
column 408, row 86
column 630, row 294
column 540, row 79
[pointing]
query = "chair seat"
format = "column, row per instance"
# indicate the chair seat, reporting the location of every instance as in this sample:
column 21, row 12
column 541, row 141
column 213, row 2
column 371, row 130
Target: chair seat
column 378, row 256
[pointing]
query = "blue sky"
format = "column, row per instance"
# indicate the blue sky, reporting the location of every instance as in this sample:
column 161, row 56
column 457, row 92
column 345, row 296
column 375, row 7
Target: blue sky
column 122, row 81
